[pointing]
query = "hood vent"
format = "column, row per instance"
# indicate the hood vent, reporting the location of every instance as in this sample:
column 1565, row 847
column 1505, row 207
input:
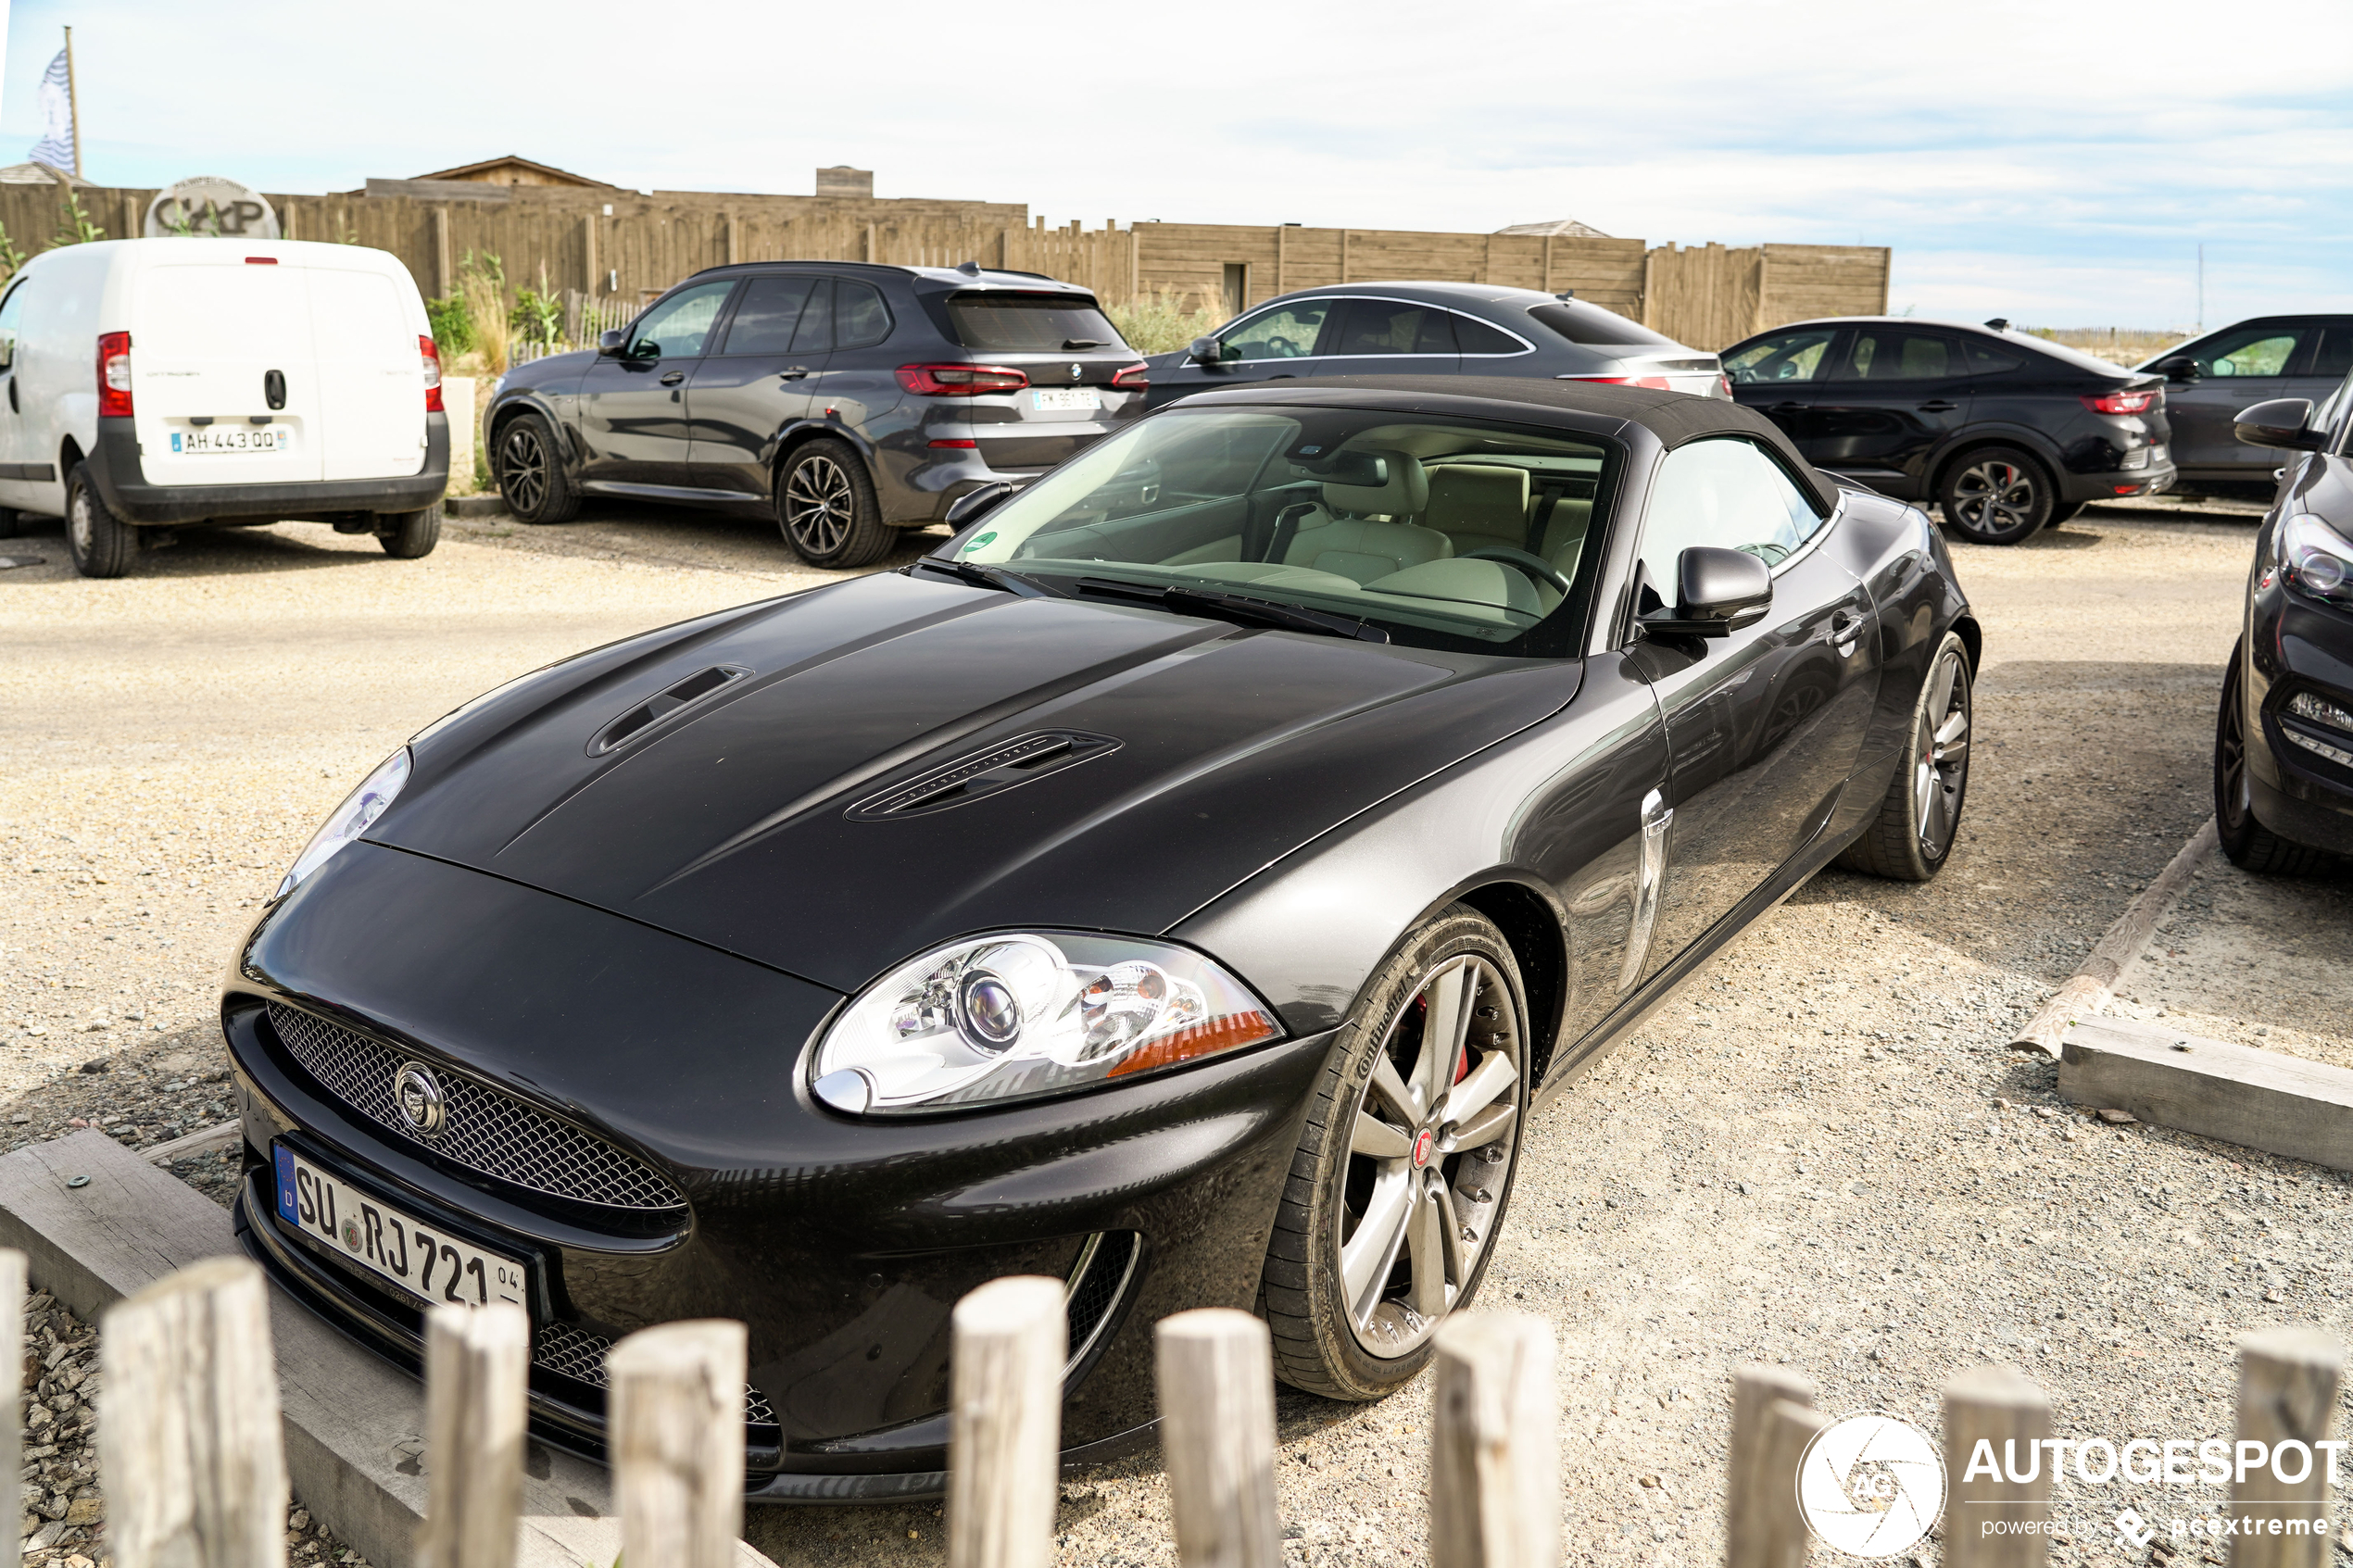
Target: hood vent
column 664, row 704
column 1000, row 768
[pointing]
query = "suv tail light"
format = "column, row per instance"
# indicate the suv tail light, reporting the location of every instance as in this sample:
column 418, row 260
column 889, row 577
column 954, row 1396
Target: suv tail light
column 430, row 352
column 961, row 380
column 113, row 375
column 2124, row 402
column 1656, row 383
column 1135, row 378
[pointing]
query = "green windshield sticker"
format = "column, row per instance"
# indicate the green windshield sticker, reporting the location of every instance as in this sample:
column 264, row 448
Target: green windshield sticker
column 987, row 538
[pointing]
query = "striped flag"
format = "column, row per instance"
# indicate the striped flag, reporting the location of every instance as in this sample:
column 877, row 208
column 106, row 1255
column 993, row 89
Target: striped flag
column 55, row 146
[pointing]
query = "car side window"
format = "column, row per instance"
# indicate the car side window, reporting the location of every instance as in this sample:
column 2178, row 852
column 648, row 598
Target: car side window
column 2333, row 356
column 1899, row 354
column 1724, row 492
column 680, row 326
column 767, row 314
column 1784, row 357
column 860, row 320
column 1286, row 332
column 1390, row 326
column 11, row 313
column 1475, row 336
column 816, row 333
column 1989, row 358
column 2251, row 351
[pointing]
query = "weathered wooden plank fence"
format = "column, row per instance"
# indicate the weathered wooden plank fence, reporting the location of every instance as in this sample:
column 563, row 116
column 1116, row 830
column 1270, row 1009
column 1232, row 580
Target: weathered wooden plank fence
column 190, row 1448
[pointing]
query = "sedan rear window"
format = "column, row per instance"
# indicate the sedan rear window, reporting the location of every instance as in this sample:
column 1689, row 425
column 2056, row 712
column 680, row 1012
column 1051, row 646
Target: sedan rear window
column 1580, row 322
column 1030, row 323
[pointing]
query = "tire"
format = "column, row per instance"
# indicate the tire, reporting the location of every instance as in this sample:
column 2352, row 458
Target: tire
column 529, row 467
column 11, row 522
column 825, row 506
column 2064, row 511
column 1918, row 818
column 1426, row 1201
column 102, row 545
column 410, row 536
column 2251, row 845
column 1997, row 496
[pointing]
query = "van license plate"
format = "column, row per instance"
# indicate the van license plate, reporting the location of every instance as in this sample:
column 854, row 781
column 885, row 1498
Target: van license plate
column 234, row 439
column 1064, row 397
column 417, row 1259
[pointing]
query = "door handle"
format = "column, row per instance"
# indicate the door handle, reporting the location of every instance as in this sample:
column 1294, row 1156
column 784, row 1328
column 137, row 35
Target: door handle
column 1938, row 405
column 1786, row 408
column 1649, row 873
column 12, row 394
column 793, row 374
column 1846, row 626
column 673, row 378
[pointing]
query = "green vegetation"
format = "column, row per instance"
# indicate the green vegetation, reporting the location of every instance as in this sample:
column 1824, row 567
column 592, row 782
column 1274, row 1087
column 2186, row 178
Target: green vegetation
column 74, row 224
column 10, row 257
column 453, row 327
column 538, row 315
column 1164, row 321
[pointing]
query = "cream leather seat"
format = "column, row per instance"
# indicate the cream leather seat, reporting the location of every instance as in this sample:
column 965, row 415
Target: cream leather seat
column 1564, row 526
column 1478, row 505
column 1359, row 532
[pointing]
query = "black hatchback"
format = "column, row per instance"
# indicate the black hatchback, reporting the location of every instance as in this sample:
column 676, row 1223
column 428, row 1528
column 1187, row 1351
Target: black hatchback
column 2006, row 432
column 847, row 400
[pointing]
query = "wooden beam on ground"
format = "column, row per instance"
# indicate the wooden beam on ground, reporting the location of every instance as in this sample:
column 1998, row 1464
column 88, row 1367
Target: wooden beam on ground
column 2259, row 1100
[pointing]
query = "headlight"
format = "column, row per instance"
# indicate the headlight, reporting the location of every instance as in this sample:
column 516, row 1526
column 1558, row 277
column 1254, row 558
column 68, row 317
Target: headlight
column 348, row 820
column 2316, row 560
column 1006, row 1017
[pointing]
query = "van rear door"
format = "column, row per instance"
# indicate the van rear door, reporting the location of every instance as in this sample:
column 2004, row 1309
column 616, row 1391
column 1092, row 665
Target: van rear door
column 371, row 379
column 213, row 344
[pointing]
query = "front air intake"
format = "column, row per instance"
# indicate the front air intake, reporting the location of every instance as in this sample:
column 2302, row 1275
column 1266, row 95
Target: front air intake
column 664, row 704
column 1000, row 768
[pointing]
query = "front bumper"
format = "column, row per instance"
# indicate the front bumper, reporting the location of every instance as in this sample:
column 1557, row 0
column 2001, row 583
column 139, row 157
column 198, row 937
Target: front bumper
column 2300, row 792
column 842, row 1245
column 123, row 482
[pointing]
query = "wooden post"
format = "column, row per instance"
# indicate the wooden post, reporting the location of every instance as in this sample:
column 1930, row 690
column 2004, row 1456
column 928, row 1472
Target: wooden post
column 1343, row 256
column 12, row 1285
column 1999, row 1408
column 868, row 254
column 477, row 1373
column 1004, row 1422
column 1280, row 247
column 1494, row 1453
column 444, row 275
column 1760, row 1529
column 588, row 254
column 677, row 1411
column 2287, row 1397
column 1216, row 1378
column 734, row 239
column 189, row 1448
column 1548, row 263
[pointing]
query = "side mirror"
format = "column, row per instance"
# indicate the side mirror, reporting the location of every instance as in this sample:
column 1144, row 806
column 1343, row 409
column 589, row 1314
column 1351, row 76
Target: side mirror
column 971, row 503
column 610, row 344
column 1717, row 592
column 1205, row 349
column 2280, row 423
column 2181, row 369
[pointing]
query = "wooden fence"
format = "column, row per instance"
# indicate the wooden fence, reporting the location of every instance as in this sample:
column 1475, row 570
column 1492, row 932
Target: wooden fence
column 629, row 248
column 191, row 1458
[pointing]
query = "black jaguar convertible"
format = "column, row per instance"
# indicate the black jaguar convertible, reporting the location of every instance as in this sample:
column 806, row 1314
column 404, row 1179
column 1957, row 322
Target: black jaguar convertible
column 1184, row 883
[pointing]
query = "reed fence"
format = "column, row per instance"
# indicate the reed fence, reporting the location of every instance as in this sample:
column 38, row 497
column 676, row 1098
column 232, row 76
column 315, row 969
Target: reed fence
column 194, row 1475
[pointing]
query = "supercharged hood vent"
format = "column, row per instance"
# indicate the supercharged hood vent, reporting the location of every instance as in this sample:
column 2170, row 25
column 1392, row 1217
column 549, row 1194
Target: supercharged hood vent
column 1000, row 768
column 664, row 704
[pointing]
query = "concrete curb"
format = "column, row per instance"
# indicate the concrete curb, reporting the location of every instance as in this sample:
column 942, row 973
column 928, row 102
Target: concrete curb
column 2236, row 1093
column 474, row 506
column 354, row 1425
column 2090, row 988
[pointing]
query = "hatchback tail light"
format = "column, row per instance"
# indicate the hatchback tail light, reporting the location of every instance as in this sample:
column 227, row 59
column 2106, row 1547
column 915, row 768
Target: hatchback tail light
column 430, row 352
column 113, row 375
column 1656, row 383
column 2124, row 402
column 961, row 380
column 1135, row 378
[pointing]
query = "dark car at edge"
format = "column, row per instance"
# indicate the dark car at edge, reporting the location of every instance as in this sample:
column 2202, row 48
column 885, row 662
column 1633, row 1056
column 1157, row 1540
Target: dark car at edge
column 1184, row 882
column 2006, row 432
column 847, row 401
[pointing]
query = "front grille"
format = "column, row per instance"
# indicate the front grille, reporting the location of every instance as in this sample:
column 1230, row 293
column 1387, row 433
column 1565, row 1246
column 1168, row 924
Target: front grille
column 580, row 1355
column 484, row 1130
column 1106, row 1262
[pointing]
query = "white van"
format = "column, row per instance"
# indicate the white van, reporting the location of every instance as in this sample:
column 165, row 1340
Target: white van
column 165, row 383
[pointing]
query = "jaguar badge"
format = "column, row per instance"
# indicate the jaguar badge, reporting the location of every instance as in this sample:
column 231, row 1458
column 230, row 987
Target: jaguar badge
column 418, row 1093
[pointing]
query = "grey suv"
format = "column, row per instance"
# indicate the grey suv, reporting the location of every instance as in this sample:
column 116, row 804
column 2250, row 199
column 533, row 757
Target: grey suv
column 847, row 400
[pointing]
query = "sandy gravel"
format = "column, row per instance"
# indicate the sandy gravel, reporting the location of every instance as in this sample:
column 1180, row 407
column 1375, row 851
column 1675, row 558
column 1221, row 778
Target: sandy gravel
column 1821, row 1155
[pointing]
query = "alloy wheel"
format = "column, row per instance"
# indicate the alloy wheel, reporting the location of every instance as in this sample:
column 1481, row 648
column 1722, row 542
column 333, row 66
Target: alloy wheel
column 522, row 469
column 1993, row 496
column 1429, row 1149
column 1942, row 773
column 81, row 527
column 2233, row 796
column 819, row 505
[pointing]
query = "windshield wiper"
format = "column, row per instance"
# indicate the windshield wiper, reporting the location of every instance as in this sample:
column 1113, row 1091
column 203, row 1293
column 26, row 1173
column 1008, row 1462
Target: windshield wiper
column 1238, row 608
column 1070, row 342
column 989, row 577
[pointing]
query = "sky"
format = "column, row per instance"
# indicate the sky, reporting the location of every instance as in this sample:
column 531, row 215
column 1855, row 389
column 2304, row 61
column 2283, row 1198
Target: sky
column 2058, row 163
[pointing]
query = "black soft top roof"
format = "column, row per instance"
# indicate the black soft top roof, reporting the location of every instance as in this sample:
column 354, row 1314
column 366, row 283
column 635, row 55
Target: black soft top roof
column 1675, row 418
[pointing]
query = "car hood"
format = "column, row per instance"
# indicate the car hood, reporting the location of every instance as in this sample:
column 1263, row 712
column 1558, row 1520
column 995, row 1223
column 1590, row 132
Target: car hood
column 763, row 819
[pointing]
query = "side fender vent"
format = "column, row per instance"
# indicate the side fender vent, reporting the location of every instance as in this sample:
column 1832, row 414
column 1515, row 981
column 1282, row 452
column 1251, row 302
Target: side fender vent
column 1017, row 761
column 664, row 704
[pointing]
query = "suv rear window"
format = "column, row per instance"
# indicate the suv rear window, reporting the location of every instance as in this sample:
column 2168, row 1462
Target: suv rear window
column 1030, row 323
column 1580, row 322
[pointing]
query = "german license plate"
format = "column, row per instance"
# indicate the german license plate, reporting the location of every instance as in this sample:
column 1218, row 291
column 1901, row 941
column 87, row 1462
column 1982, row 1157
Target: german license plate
column 1044, row 397
column 419, row 1260
column 231, row 438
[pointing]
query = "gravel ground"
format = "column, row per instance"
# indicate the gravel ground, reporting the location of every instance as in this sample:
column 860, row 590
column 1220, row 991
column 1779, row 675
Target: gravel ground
column 1821, row 1155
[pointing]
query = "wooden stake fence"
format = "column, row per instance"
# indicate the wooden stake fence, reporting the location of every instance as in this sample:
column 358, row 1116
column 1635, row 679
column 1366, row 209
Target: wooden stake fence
column 190, row 1447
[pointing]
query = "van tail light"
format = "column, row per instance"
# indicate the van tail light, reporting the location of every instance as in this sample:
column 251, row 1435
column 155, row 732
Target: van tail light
column 961, row 380
column 430, row 352
column 2124, row 402
column 1135, row 378
column 113, row 375
column 1656, row 383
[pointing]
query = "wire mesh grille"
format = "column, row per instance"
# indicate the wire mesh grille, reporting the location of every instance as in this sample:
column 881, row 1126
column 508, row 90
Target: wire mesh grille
column 580, row 1355
column 483, row 1129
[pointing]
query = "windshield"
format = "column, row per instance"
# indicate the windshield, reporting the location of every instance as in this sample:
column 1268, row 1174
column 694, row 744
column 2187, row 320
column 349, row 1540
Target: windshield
column 1445, row 532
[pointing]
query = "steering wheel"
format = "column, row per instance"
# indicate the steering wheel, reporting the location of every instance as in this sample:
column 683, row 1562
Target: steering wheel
column 1535, row 566
column 1282, row 348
